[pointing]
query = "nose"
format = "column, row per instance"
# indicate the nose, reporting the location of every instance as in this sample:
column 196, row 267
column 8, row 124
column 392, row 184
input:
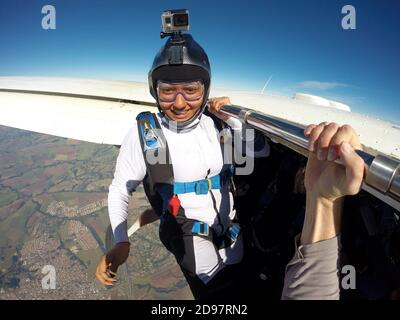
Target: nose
column 180, row 102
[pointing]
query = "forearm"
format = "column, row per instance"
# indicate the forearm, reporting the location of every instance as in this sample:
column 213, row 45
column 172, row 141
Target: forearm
column 313, row 271
column 322, row 219
column 130, row 170
column 118, row 214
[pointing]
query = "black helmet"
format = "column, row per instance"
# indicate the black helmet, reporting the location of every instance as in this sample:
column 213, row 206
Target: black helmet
column 181, row 59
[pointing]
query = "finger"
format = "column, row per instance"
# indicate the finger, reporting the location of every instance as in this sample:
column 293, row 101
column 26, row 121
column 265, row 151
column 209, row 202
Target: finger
column 106, row 276
column 346, row 133
column 221, row 102
column 211, row 109
column 314, row 135
column 218, row 105
column 106, row 282
column 224, row 101
column 113, row 269
column 101, row 272
column 214, row 105
column 308, row 129
column 104, row 279
column 109, row 282
column 324, row 141
column 111, row 272
column 355, row 167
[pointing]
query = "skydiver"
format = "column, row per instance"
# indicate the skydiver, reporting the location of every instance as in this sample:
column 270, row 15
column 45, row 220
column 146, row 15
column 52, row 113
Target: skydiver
column 195, row 204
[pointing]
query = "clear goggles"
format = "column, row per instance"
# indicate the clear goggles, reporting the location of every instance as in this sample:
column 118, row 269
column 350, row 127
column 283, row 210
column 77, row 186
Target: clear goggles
column 191, row 91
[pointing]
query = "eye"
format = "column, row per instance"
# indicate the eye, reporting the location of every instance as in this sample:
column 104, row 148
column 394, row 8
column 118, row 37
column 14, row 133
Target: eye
column 191, row 89
column 167, row 90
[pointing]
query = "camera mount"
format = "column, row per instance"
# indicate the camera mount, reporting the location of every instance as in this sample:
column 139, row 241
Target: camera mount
column 174, row 24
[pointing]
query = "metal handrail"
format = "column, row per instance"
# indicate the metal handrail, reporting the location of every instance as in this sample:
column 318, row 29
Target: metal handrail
column 382, row 177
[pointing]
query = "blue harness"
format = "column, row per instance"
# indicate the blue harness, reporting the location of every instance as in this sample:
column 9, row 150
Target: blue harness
column 199, row 186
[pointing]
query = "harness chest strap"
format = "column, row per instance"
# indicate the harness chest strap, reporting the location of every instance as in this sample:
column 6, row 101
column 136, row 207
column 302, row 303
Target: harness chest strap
column 199, row 186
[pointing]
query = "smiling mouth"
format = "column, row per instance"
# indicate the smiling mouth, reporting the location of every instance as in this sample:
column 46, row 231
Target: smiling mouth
column 180, row 114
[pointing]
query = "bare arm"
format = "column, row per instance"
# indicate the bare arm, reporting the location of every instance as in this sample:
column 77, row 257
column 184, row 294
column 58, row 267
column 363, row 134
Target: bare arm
column 313, row 272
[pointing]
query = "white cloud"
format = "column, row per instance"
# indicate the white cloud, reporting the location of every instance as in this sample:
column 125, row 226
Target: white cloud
column 321, row 85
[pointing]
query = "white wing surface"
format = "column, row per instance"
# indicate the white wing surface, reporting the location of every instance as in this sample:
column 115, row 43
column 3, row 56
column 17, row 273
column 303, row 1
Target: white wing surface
column 102, row 111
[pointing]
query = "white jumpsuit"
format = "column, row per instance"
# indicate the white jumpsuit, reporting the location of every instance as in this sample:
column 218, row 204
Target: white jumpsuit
column 195, row 154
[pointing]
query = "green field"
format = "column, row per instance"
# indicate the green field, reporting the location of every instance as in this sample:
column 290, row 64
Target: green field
column 13, row 235
column 7, row 196
column 13, row 228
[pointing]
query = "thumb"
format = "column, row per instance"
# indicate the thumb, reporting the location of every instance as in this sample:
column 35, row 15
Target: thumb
column 354, row 166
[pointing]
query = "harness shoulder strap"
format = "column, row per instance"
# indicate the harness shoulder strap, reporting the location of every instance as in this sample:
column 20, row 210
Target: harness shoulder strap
column 160, row 175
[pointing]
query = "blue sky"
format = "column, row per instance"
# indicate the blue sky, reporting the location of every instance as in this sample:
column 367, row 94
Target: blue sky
column 300, row 43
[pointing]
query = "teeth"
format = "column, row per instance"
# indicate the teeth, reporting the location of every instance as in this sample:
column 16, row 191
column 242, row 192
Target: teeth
column 180, row 112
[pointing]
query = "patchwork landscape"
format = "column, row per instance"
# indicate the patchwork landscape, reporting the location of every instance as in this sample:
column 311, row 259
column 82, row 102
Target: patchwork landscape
column 53, row 212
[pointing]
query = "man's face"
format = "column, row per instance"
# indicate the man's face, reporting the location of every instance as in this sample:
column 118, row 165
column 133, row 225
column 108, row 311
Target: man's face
column 180, row 101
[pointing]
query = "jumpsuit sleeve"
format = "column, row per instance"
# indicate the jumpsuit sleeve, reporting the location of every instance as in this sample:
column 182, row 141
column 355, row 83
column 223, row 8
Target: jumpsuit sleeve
column 313, row 273
column 130, row 170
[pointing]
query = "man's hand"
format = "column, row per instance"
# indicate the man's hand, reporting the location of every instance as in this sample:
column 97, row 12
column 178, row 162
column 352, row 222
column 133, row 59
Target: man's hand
column 108, row 264
column 215, row 104
column 327, row 182
column 324, row 178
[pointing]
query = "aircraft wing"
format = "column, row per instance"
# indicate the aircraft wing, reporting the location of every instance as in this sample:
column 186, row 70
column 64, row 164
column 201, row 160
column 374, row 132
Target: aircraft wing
column 102, row 111
column 89, row 110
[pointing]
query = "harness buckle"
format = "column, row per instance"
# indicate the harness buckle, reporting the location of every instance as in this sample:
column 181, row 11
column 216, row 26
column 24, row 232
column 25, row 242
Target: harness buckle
column 201, row 229
column 204, row 230
column 203, row 186
column 209, row 184
column 234, row 231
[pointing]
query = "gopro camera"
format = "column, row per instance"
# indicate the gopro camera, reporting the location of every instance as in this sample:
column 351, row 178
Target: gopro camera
column 175, row 21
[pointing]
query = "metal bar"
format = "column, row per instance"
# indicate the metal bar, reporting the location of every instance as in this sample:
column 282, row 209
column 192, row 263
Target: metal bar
column 382, row 172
